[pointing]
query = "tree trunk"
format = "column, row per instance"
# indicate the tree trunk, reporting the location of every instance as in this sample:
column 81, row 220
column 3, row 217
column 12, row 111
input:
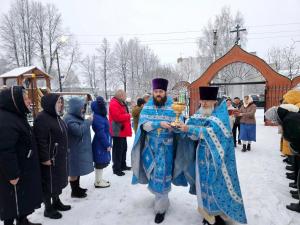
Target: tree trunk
column 105, row 77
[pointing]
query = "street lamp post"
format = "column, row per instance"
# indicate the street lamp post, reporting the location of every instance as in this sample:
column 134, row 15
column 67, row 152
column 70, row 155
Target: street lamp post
column 215, row 44
column 58, row 70
column 62, row 40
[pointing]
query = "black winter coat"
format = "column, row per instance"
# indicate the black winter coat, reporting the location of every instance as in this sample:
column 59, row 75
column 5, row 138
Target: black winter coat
column 18, row 158
column 52, row 140
column 291, row 127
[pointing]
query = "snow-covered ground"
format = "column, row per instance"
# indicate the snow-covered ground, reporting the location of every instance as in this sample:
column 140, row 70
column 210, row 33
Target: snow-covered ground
column 262, row 177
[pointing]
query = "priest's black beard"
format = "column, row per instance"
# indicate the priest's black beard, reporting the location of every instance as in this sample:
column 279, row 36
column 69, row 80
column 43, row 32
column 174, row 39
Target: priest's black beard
column 160, row 103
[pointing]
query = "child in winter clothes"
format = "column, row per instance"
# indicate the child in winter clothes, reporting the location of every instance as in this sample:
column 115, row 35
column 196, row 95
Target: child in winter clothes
column 102, row 141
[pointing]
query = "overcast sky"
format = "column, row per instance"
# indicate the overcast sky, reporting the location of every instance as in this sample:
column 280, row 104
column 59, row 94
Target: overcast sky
column 92, row 20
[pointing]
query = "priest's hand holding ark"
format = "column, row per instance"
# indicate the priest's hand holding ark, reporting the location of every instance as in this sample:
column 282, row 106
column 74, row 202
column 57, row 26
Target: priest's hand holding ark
column 166, row 125
column 183, row 127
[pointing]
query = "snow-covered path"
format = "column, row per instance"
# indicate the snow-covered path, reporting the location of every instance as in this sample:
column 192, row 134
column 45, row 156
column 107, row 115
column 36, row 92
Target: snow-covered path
column 262, row 177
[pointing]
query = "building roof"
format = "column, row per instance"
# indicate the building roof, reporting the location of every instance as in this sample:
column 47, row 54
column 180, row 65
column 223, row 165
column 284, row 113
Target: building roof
column 21, row 71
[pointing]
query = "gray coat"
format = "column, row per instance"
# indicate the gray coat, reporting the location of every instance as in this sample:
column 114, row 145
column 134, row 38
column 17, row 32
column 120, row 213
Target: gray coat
column 80, row 155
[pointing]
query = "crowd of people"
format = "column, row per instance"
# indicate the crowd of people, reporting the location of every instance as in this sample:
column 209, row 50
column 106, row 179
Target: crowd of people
column 42, row 160
column 37, row 163
column 287, row 117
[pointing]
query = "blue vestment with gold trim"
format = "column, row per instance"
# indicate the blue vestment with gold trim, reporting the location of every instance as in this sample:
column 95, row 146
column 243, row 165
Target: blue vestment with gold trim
column 215, row 177
column 153, row 151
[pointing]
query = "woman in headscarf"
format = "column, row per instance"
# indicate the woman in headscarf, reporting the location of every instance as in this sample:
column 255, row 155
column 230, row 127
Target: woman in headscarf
column 20, row 179
column 248, row 123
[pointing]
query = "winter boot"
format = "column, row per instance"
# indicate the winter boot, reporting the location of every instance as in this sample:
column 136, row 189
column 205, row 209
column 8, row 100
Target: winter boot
column 82, row 189
column 290, row 168
column 293, row 192
column 295, row 196
column 50, row 212
column 293, row 185
column 205, row 222
column 99, row 182
column 58, row 205
column 239, row 142
column 76, row 192
column 291, row 176
column 294, row 207
column 159, row 217
column 119, row 173
column 244, row 148
column 219, row 221
column 126, row 168
column 285, row 160
column 25, row 221
column 8, row 222
column 248, row 147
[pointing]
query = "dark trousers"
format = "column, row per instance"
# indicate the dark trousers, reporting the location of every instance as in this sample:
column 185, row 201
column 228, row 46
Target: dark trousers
column 297, row 171
column 234, row 131
column 8, row 222
column 295, row 161
column 47, row 200
column 11, row 221
column 119, row 152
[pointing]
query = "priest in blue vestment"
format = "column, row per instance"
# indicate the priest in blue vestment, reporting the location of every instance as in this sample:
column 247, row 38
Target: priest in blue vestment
column 214, row 177
column 153, row 150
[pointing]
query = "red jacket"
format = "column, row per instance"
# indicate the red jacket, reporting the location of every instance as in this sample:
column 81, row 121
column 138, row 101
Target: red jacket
column 119, row 119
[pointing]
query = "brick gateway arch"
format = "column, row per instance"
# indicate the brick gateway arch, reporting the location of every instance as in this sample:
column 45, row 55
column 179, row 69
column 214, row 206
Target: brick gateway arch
column 276, row 84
